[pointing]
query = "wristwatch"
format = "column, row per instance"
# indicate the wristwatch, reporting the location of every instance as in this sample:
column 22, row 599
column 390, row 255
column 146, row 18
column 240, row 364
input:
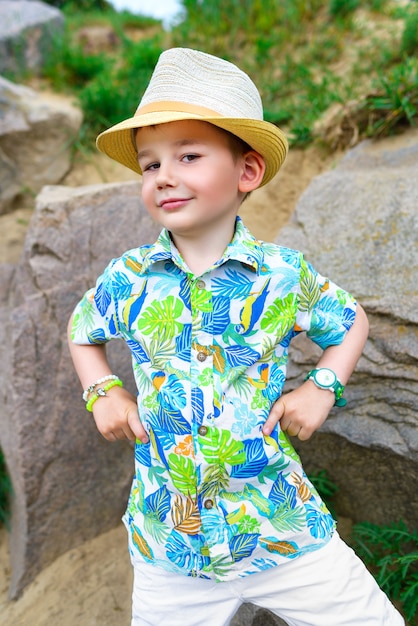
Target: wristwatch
column 325, row 378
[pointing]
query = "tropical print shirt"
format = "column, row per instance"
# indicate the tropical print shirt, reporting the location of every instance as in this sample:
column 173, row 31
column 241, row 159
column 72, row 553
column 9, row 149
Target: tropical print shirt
column 212, row 496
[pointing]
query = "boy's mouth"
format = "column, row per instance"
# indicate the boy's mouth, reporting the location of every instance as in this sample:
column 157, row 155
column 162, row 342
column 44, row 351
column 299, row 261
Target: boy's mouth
column 169, row 204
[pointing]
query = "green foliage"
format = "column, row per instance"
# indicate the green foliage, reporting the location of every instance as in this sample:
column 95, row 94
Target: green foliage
column 395, row 102
column 214, row 24
column 5, row 491
column 115, row 93
column 323, row 484
column 391, row 552
column 342, row 8
column 70, row 67
column 409, row 43
column 292, row 49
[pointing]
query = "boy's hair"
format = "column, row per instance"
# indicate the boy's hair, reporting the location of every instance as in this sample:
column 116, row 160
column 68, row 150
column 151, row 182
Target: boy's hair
column 237, row 146
column 192, row 85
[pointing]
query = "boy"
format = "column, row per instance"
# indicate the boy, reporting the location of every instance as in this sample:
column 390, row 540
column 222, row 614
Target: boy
column 219, row 494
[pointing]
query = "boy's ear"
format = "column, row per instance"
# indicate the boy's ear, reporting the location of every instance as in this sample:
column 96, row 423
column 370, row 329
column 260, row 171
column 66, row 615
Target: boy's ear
column 253, row 168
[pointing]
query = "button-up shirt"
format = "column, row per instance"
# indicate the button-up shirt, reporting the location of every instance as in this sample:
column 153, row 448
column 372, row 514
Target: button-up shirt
column 212, row 496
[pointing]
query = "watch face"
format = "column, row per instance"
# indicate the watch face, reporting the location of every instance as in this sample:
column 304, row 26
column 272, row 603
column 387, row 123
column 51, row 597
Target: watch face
column 325, row 377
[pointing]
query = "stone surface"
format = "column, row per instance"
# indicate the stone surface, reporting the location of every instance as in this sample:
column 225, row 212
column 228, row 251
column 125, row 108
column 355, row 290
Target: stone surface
column 359, row 224
column 36, row 137
column 251, row 615
column 27, row 28
column 69, row 484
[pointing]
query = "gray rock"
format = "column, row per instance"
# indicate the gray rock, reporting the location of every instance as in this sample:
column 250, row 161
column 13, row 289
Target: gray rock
column 69, row 484
column 36, row 137
column 359, row 224
column 251, row 615
column 27, row 28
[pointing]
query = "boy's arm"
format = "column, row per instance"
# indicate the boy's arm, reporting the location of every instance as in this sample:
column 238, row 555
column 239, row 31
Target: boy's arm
column 302, row 411
column 116, row 414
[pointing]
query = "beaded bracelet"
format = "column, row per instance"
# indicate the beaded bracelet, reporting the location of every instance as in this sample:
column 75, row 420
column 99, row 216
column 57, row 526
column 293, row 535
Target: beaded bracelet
column 100, row 392
column 92, row 387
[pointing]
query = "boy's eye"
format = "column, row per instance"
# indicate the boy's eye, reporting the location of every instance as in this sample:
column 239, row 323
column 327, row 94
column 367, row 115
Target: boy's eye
column 150, row 167
column 188, row 158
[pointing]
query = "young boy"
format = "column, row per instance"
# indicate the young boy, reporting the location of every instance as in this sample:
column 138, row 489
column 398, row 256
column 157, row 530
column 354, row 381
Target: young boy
column 208, row 312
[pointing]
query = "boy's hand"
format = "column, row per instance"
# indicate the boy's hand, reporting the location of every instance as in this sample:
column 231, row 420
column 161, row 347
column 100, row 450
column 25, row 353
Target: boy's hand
column 301, row 411
column 116, row 416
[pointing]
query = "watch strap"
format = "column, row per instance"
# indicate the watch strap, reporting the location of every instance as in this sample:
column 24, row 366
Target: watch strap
column 337, row 387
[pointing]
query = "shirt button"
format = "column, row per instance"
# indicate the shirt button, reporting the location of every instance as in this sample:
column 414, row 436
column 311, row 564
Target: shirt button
column 201, row 356
column 200, row 284
column 202, row 430
column 208, row 504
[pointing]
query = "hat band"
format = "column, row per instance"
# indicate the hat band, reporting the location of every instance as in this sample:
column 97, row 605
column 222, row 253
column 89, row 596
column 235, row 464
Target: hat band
column 181, row 107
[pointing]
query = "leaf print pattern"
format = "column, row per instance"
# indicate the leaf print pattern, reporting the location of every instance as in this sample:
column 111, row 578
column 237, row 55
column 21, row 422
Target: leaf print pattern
column 242, row 546
column 162, row 318
column 185, row 515
column 285, row 548
column 279, row 317
column 211, row 496
column 310, row 289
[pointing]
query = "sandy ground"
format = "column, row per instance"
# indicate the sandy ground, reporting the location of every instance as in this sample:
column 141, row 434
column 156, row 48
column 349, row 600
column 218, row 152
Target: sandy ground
column 91, row 585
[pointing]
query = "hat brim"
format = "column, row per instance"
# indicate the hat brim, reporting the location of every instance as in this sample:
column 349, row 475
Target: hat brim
column 263, row 137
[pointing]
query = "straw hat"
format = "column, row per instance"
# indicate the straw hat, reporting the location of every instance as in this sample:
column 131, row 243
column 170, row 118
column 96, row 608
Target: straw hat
column 192, row 85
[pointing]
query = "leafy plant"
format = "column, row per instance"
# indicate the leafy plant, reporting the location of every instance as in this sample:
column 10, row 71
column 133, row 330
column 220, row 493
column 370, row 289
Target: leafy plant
column 396, row 100
column 5, row 491
column 342, row 8
column 70, row 67
column 323, row 483
column 409, row 44
column 391, row 552
column 114, row 95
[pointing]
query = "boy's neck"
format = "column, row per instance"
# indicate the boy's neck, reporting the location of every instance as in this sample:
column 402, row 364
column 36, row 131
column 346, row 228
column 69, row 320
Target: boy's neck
column 201, row 253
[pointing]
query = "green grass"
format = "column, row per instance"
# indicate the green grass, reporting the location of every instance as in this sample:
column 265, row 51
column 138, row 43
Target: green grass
column 409, row 43
column 391, row 553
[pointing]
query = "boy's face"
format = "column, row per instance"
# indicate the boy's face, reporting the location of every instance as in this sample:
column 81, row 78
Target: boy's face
column 191, row 177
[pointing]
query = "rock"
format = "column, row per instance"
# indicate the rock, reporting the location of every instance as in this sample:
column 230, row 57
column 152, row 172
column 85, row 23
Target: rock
column 251, row 615
column 27, row 29
column 70, row 485
column 358, row 224
column 36, row 137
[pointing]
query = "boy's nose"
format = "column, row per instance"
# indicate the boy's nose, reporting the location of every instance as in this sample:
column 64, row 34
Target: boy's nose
column 165, row 176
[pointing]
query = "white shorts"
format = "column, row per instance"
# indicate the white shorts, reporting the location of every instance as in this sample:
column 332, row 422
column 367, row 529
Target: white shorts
column 328, row 587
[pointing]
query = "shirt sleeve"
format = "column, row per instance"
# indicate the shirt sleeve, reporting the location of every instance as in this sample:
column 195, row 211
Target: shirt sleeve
column 325, row 311
column 94, row 318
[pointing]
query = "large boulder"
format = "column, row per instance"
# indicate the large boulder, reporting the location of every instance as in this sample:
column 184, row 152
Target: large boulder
column 69, row 484
column 36, row 137
column 27, row 29
column 358, row 223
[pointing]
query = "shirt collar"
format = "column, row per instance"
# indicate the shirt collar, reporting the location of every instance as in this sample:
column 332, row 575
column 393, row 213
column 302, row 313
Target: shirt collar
column 243, row 248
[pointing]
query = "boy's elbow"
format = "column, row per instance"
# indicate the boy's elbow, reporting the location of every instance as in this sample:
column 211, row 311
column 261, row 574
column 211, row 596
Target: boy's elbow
column 361, row 321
